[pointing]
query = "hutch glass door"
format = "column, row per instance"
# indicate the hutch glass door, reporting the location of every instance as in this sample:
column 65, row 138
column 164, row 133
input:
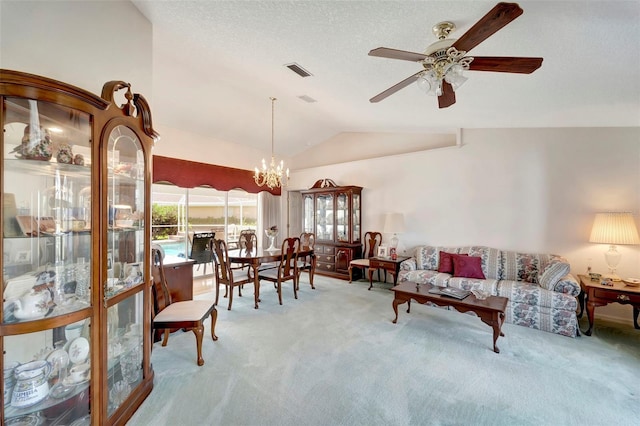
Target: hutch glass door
column 46, row 245
column 124, row 263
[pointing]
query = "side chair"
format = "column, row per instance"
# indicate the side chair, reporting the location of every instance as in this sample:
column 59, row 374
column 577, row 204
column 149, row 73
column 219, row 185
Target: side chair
column 308, row 263
column 227, row 274
column 188, row 314
column 201, row 249
column 372, row 241
column 287, row 269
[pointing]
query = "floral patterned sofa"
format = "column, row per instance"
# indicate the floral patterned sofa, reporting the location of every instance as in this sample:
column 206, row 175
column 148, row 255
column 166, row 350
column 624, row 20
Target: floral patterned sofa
column 541, row 291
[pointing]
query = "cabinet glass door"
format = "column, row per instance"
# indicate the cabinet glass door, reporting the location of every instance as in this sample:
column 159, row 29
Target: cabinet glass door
column 46, row 245
column 355, row 220
column 324, row 216
column 342, row 216
column 126, row 200
column 307, row 216
column 125, row 257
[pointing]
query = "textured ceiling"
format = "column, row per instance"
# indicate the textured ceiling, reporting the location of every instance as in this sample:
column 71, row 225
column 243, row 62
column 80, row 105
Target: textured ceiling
column 216, row 63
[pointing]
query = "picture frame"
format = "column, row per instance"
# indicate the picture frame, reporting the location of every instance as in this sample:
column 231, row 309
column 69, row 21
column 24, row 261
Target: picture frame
column 383, row 251
column 393, row 253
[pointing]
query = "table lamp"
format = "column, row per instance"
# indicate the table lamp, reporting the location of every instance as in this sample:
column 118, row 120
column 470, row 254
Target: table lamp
column 394, row 224
column 614, row 228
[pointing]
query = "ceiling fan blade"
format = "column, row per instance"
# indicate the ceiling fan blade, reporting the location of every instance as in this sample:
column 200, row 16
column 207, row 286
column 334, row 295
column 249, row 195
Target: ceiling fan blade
column 385, row 52
column 489, row 24
column 393, row 89
column 448, row 96
column 505, row 64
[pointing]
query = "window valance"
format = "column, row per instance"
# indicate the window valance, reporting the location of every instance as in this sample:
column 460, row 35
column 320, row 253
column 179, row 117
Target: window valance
column 190, row 174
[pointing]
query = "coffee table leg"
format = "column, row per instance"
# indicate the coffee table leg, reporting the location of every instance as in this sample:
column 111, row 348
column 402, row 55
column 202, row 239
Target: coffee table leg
column 396, row 302
column 494, row 321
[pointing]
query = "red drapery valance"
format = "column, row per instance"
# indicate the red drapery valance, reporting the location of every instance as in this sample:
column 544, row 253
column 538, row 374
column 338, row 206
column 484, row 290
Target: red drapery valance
column 190, row 174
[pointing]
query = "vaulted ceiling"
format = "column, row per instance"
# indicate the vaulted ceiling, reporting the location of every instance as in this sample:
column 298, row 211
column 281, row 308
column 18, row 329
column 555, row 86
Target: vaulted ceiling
column 216, row 63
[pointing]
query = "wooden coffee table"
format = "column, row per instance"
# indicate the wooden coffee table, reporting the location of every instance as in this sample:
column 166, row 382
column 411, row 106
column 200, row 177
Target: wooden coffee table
column 490, row 310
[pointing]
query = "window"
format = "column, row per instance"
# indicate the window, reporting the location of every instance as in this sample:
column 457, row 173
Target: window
column 179, row 212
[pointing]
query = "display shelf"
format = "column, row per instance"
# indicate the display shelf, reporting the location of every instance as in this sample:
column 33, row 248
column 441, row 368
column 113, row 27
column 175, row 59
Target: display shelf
column 333, row 213
column 76, row 205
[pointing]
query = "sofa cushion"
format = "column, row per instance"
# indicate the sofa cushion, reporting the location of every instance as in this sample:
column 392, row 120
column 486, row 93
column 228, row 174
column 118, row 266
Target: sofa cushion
column 523, row 266
column 446, row 262
column 473, row 283
column 424, row 276
column 427, row 257
column 553, row 272
column 532, row 294
column 491, row 259
column 467, row 266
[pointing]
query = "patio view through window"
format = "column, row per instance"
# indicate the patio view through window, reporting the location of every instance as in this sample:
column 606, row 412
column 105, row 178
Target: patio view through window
column 179, row 212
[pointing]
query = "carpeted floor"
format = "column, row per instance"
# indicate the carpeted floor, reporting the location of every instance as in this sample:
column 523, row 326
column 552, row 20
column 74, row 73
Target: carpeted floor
column 333, row 357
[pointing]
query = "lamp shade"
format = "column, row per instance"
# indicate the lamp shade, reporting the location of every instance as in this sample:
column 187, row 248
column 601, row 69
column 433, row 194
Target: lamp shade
column 614, row 228
column 394, row 223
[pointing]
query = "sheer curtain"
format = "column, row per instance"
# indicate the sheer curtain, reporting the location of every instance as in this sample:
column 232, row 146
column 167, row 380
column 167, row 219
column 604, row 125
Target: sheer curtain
column 269, row 215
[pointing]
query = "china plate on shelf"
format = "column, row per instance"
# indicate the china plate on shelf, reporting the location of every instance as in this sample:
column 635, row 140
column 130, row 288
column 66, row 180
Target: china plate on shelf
column 29, row 420
column 633, row 282
column 69, row 382
column 79, row 350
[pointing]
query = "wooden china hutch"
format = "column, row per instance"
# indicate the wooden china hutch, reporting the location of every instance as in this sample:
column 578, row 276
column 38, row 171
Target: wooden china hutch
column 333, row 213
column 76, row 315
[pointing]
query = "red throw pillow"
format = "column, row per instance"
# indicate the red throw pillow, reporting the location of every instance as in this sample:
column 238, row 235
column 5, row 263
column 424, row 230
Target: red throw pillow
column 446, row 264
column 467, row 266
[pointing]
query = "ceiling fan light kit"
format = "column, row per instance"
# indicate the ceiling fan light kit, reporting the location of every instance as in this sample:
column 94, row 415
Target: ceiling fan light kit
column 445, row 60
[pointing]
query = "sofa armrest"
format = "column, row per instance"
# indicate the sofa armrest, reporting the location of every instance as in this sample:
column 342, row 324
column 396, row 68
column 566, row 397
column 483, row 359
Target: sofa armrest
column 409, row 264
column 567, row 285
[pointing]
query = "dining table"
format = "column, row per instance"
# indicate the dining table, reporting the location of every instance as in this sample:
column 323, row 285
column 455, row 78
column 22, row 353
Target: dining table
column 258, row 257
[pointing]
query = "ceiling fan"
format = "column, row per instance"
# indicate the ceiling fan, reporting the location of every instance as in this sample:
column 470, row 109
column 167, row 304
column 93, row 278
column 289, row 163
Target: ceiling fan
column 444, row 61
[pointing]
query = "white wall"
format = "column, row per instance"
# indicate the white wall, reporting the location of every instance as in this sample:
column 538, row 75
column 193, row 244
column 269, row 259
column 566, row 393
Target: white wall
column 533, row 190
column 81, row 43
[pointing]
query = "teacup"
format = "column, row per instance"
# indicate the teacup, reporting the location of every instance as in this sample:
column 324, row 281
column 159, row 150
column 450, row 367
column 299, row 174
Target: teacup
column 80, row 373
column 73, row 330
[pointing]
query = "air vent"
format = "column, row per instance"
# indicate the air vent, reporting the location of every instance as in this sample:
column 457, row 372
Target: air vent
column 298, row 69
column 308, row 99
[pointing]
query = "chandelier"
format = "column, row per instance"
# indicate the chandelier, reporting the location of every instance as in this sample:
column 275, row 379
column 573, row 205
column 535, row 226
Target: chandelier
column 443, row 62
column 273, row 176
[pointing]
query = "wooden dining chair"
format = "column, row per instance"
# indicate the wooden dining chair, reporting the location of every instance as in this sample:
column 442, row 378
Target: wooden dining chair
column 307, row 263
column 227, row 274
column 187, row 314
column 287, row 269
column 372, row 241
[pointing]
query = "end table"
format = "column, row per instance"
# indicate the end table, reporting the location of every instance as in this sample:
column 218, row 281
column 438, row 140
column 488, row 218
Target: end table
column 596, row 294
column 386, row 264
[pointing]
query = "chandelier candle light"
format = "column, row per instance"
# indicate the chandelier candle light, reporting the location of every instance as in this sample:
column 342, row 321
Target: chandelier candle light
column 613, row 229
column 273, row 176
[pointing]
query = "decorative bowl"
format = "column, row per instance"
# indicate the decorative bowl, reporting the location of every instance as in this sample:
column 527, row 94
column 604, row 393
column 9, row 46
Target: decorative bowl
column 480, row 294
column 632, row 282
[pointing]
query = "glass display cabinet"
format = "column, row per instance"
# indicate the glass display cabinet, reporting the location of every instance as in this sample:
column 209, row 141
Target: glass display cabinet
column 76, row 312
column 333, row 213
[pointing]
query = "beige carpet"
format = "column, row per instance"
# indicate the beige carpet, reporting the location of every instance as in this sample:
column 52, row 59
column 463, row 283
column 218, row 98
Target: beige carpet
column 333, row 357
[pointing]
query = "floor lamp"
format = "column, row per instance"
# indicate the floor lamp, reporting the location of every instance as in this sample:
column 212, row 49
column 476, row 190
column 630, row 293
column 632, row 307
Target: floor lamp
column 614, row 228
